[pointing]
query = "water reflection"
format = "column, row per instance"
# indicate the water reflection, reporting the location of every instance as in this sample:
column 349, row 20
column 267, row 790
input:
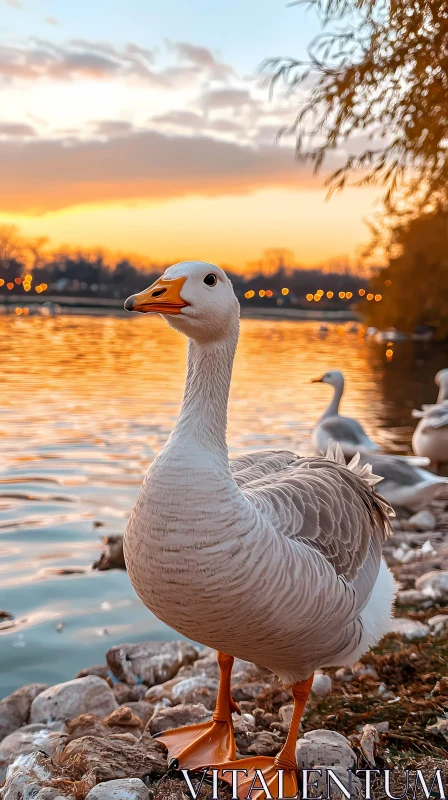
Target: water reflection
column 86, row 402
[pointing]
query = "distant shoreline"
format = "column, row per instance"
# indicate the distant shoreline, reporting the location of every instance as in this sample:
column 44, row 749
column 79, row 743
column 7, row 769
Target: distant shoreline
column 103, row 306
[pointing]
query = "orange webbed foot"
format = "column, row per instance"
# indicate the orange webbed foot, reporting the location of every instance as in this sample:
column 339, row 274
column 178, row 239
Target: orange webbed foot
column 201, row 745
column 260, row 778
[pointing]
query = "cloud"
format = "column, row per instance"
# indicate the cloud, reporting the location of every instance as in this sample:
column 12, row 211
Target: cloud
column 16, row 130
column 202, row 57
column 38, row 59
column 180, row 119
column 45, row 175
column 14, row 3
column 227, row 98
column 35, row 59
column 51, row 21
column 111, row 127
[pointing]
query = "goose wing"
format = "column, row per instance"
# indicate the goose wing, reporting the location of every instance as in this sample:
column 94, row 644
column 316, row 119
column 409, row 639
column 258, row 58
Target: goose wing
column 346, row 431
column 252, row 466
column 324, row 504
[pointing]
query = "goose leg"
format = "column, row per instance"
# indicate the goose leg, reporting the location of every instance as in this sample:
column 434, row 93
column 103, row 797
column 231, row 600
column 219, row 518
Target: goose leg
column 286, row 784
column 208, row 743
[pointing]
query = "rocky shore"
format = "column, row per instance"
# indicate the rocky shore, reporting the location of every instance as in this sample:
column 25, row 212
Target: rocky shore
column 93, row 737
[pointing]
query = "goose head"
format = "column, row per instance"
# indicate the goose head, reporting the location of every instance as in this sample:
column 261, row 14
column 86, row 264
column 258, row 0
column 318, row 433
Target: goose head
column 195, row 298
column 333, row 378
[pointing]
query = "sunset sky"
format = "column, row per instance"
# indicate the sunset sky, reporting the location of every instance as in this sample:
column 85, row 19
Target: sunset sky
column 143, row 127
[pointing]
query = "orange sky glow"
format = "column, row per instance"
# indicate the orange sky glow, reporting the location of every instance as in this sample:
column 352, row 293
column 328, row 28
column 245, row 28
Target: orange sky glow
column 167, row 147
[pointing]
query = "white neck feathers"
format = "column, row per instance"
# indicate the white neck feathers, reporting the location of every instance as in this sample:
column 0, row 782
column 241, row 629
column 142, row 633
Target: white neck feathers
column 203, row 416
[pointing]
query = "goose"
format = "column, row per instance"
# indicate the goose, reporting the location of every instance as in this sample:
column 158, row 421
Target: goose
column 273, row 558
column 332, row 426
column 405, row 483
column 431, row 434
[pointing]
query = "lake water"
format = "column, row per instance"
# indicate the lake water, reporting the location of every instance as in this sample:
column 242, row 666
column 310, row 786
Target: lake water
column 86, row 403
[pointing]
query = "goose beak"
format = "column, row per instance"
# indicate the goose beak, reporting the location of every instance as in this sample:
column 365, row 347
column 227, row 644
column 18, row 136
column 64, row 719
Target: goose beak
column 316, row 380
column 163, row 297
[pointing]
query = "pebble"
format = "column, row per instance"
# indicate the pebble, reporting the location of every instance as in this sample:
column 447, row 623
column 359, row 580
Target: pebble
column 285, row 713
column 25, row 776
column 149, row 662
column 265, row 744
column 344, row 674
column 405, row 554
column 411, row 597
column 433, row 584
column 15, row 709
column 318, row 784
column 361, row 669
column 199, row 689
column 177, row 717
column 440, row 727
column 113, row 556
column 112, row 758
column 422, row 521
column 324, row 747
column 370, row 740
column 321, row 684
column 438, row 623
column 27, row 740
column 409, row 628
column 382, row 727
column 126, row 789
column 72, row 698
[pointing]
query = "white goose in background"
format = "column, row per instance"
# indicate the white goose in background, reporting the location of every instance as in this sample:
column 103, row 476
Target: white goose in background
column 272, row 558
column 431, row 434
column 334, row 427
column 405, row 483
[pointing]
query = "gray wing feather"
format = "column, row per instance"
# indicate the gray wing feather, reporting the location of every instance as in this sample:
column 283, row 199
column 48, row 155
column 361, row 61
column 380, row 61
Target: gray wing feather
column 323, row 504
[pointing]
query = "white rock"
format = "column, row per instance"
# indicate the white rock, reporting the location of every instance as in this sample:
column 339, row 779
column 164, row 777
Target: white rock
column 410, row 597
column 89, row 695
column 198, row 689
column 324, row 747
column 318, row 785
column 28, row 740
column 428, row 549
column 405, row 554
column 409, row 628
column 438, row 623
column 285, row 713
column 344, row 674
column 52, row 794
column 25, row 776
column 124, row 789
column 361, row 669
column 433, row 584
column 321, row 684
column 422, row 521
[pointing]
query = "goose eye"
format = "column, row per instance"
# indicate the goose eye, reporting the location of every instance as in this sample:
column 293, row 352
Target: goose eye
column 211, row 279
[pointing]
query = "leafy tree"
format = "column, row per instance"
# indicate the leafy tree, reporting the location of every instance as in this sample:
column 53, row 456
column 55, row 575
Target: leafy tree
column 381, row 77
column 414, row 286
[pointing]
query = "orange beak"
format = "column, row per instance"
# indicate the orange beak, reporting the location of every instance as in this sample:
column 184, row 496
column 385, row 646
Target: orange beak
column 163, row 297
